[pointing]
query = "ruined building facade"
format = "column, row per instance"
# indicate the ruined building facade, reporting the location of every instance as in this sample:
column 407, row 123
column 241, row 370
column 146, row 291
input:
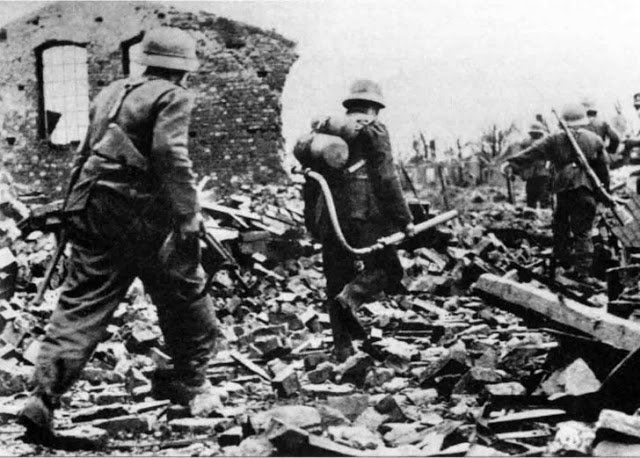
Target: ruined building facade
column 53, row 61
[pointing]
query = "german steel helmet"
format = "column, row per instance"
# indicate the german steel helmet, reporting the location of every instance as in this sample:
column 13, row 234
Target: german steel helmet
column 537, row 127
column 574, row 115
column 364, row 90
column 169, row 47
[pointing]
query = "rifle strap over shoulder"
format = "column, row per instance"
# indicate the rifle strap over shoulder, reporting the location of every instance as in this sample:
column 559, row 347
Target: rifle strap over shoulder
column 128, row 87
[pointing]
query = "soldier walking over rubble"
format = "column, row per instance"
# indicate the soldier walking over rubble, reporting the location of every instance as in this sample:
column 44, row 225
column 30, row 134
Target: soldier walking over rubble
column 133, row 211
column 538, row 175
column 601, row 127
column 576, row 199
column 369, row 204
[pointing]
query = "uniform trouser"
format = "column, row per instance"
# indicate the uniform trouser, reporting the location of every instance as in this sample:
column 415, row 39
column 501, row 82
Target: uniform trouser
column 575, row 214
column 539, row 190
column 106, row 256
column 349, row 286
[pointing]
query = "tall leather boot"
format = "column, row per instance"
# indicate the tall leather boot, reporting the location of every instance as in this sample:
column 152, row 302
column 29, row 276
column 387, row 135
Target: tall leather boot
column 342, row 343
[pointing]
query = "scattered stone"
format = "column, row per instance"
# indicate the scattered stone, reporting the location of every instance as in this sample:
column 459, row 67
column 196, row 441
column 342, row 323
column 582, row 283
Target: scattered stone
column 251, row 446
column 323, row 373
column 481, row 450
column 389, row 407
column 612, row 420
column 127, row 423
column 506, row 389
column 395, row 385
column 13, row 378
column 609, row 448
column 111, row 397
column 351, row 406
column 199, row 425
column 422, row 397
column 232, row 436
column 286, row 382
column 313, row 361
column 378, row 376
column 328, row 389
column 82, row 438
column 576, row 379
column 304, row 417
column 354, row 370
column 332, row 416
column 403, row 433
column 371, row 419
column 355, row 436
column 572, row 438
column 287, row 439
column 99, row 412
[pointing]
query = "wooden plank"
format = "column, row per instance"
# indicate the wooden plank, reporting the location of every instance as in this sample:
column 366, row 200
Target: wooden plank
column 525, row 298
column 250, row 365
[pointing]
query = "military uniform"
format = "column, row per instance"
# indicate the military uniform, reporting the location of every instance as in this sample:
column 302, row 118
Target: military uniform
column 120, row 213
column 605, row 131
column 369, row 204
column 576, row 202
column 538, row 180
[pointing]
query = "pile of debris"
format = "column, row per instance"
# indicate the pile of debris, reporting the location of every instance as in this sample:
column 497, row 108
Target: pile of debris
column 445, row 371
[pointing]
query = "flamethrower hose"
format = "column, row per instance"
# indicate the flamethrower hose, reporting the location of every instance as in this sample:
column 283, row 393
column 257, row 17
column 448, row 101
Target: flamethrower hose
column 382, row 242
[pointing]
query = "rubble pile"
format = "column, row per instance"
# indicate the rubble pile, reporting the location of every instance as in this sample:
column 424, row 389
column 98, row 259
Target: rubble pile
column 444, row 372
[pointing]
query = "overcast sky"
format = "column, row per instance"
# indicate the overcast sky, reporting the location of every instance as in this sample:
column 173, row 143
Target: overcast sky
column 448, row 68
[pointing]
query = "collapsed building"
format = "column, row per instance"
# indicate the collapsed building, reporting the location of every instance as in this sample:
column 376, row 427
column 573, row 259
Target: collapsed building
column 55, row 60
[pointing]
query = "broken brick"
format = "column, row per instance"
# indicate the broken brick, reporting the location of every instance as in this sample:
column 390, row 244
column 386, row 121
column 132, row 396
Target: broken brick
column 286, row 382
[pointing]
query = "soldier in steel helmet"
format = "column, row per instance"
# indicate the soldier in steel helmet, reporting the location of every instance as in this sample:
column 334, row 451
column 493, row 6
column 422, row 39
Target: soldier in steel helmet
column 601, row 127
column 132, row 211
column 538, row 175
column 369, row 204
column 576, row 199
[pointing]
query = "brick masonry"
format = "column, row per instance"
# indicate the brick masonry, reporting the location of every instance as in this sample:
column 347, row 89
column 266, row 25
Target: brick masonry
column 236, row 130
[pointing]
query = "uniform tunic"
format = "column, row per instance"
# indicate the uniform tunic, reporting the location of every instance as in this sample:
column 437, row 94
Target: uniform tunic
column 576, row 202
column 370, row 204
column 119, row 218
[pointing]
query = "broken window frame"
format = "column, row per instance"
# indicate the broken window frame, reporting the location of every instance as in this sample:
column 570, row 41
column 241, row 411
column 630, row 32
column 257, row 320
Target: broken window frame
column 40, row 74
column 125, row 48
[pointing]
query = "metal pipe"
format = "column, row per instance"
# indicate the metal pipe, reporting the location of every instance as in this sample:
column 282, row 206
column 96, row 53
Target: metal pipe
column 382, row 242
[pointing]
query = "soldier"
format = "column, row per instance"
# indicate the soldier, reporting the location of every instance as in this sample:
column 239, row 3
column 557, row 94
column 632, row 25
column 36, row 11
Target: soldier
column 631, row 151
column 576, row 201
column 632, row 144
column 538, row 176
column 369, row 204
column 601, row 127
column 132, row 211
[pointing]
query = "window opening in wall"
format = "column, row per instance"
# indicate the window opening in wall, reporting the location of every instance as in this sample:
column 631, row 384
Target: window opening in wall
column 65, row 93
column 131, row 49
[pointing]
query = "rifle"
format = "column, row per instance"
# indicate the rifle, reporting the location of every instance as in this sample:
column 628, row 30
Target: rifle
column 622, row 215
column 509, row 189
column 62, row 236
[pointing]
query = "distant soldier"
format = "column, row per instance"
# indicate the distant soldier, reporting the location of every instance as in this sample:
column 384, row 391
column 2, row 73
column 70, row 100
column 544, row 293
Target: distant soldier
column 601, row 127
column 631, row 150
column 369, row 204
column 538, row 176
column 576, row 199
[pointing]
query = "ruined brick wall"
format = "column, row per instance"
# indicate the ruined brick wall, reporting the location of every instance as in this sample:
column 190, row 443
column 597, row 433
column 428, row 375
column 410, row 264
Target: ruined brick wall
column 235, row 135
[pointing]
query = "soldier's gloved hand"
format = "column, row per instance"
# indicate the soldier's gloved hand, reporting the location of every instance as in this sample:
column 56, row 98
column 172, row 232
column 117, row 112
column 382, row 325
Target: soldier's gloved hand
column 410, row 230
column 191, row 227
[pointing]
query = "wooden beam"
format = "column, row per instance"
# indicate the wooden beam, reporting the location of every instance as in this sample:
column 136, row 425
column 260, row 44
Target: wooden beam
column 522, row 298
